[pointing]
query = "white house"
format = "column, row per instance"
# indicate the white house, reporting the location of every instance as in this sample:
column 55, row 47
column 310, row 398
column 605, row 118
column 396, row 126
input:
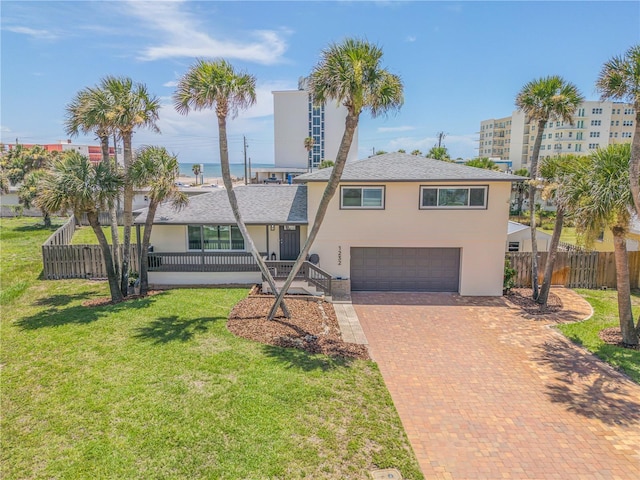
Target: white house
column 398, row 222
column 519, row 238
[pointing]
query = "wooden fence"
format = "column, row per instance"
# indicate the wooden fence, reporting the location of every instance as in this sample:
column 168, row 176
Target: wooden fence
column 79, row 261
column 63, row 235
column 575, row 269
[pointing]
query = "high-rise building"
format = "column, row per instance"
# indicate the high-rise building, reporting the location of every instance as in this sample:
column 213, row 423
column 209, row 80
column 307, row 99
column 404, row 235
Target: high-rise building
column 297, row 117
column 595, row 125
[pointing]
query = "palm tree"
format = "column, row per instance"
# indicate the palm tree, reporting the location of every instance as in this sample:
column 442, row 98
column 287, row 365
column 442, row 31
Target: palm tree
column 75, row 184
column 520, row 188
column 91, row 111
column 439, row 153
column 600, row 196
column 482, row 162
column 155, row 168
column 349, row 73
column 30, row 189
column 556, row 173
column 308, row 145
column 217, row 85
column 619, row 79
column 195, row 168
column 544, row 99
column 133, row 107
column 416, row 152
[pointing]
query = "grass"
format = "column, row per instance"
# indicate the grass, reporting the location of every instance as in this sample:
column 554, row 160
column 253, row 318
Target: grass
column 605, row 307
column 85, row 235
column 158, row 388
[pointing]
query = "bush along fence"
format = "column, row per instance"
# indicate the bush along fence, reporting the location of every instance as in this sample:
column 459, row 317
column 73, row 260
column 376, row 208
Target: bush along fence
column 62, row 261
column 576, row 269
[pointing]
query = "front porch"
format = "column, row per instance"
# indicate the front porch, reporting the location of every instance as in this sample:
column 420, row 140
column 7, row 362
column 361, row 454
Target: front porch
column 223, row 268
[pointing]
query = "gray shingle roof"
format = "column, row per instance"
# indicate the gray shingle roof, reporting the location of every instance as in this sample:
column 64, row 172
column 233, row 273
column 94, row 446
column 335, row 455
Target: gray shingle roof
column 259, row 205
column 402, row 167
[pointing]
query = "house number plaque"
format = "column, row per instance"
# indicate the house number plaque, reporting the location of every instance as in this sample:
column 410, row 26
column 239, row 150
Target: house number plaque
column 339, row 254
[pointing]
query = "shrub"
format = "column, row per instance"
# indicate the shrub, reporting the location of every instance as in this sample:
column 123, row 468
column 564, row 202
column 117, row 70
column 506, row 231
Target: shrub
column 509, row 277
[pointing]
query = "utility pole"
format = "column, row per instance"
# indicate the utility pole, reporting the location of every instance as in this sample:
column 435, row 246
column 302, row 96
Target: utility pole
column 249, row 167
column 441, row 136
column 244, row 142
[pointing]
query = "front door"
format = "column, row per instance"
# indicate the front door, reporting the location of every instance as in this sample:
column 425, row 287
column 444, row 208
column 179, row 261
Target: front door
column 289, row 242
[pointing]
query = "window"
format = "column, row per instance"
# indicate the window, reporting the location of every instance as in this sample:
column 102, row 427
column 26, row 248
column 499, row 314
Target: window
column 581, row 112
column 627, row 123
column 513, row 247
column 362, row 197
column 453, row 197
column 596, row 123
column 580, row 124
column 596, row 111
column 215, row 237
column 579, row 136
column 594, row 134
column 593, row 146
column 578, row 147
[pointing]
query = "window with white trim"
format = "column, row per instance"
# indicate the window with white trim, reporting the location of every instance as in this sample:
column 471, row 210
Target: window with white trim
column 362, row 197
column 214, row 237
column 453, row 197
column 513, row 247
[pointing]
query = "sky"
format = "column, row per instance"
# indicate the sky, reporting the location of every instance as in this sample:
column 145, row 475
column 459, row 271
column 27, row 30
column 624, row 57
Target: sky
column 460, row 62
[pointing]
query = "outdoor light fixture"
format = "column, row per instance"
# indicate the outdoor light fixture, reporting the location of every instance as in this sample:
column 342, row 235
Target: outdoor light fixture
column 272, row 227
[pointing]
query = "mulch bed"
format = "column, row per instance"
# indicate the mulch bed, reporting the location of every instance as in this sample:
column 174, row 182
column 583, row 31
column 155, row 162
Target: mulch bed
column 522, row 297
column 313, row 326
column 613, row 336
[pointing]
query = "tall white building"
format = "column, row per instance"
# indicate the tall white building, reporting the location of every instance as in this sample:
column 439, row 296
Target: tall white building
column 297, row 118
column 595, row 124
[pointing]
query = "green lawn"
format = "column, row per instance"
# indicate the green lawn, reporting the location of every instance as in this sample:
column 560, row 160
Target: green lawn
column 605, row 315
column 86, row 236
column 158, row 388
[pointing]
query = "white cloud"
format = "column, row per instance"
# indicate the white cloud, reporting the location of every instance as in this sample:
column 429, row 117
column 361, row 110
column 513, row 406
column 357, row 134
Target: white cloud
column 403, row 128
column 170, row 83
column 458, row 145
column 183, row 35
column 410, row 38
column 32, row 32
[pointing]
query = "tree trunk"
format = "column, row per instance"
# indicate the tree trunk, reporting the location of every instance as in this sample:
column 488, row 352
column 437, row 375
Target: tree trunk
column 629, row 333
column 233, row 201
column 144, row 255
column 128, row 213
column 551, row 258
column 116, row 294
column 113, row 215
column 520, row 199
column 634, row 164
column 351, row 123
column 46, row 219
column 532, row 207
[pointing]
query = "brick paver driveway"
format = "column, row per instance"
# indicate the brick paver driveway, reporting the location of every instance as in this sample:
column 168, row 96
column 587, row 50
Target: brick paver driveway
column 486, row 394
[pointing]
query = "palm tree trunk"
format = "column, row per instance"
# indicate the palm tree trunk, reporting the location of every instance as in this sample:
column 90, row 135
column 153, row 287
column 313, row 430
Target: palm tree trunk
column 634, row 164
column 128, row 214
column 351, row 123
column 532, row 208
column 116, row 294
column 233, row 201
column 46, row 219
column 551, row 257
column 113, row 215
column 144, row 255
column 629, row 333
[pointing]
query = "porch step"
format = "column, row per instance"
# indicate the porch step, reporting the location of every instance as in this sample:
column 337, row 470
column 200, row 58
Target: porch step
column 298, row 287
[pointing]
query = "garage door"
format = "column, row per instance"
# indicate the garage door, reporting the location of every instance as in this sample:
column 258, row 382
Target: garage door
column 405, row 269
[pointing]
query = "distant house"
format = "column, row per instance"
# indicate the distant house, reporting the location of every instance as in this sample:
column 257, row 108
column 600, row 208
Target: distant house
column 397, row 223
column 519, row 238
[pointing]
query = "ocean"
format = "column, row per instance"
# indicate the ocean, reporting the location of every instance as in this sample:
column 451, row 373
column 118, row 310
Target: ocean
column 210, row 170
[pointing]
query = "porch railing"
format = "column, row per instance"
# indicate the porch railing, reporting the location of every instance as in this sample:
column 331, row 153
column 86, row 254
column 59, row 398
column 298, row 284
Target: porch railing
column 202, row 262
column 308, row 272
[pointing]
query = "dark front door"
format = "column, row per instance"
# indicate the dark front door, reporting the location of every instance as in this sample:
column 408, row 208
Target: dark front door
column 289, row 242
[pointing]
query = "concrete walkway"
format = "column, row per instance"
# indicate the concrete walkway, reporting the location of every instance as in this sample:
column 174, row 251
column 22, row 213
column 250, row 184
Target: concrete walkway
column 486, row 394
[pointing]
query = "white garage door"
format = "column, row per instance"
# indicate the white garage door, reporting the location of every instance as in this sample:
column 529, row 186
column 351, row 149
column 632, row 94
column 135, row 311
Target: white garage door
column 405, row 269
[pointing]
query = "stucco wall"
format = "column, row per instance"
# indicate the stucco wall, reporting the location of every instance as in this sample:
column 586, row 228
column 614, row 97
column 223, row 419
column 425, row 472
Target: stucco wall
column 524, row 237
column 480, row 234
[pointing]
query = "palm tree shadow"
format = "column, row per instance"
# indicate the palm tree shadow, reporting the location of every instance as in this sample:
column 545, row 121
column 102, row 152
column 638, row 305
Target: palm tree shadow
column 61, row 300
column 295, row 358
column 174, row 329
column 586, row 388
column 77, row 314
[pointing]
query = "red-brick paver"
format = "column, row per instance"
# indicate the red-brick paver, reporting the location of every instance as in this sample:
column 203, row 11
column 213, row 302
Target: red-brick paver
column 484, row 393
